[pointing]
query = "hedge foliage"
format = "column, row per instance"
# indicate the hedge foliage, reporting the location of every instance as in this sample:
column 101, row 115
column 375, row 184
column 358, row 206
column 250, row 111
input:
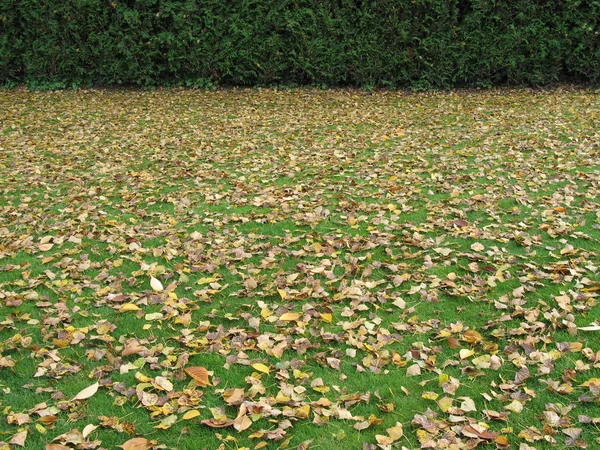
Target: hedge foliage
column 396, row 43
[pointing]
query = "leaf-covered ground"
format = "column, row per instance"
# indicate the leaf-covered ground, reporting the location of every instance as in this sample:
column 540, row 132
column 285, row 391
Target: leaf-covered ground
column 303, row 269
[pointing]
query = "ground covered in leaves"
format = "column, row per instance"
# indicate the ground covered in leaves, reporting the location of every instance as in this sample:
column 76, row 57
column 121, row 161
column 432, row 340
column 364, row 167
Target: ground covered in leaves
column 302, row 269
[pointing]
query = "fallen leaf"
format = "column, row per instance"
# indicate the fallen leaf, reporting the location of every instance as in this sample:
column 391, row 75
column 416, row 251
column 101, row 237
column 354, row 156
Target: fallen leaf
column 88, row 429
column 214, row 423
column 261, row 368
column 137, row 444
column 199, row 374
column 289, row 316
column 242, row 423
column 191, row 414
column 156, row 285
column 19, row 439
column 87, row 392
column 128, row 307
column 590, row 328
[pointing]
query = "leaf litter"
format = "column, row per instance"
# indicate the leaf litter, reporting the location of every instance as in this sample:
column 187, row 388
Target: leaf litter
column 264, row 268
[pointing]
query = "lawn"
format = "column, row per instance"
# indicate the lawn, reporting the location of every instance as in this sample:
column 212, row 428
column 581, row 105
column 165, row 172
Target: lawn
column 247, row 269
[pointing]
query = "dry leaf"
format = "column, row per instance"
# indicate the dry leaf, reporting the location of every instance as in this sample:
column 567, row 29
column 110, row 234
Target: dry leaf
column 242, row 423
column 87, row 392
column 261, row 368
column 19, row 439
column 199, row 374
column 214, row 423
column 590, row 328
column 87, row 430
column 413, row 370
column 128, row 307
column 156, row 285
column 191, row 414
column 137, row 444
column 289, row 316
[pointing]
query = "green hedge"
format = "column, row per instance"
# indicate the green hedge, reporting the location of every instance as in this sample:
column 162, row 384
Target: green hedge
column 395, row 43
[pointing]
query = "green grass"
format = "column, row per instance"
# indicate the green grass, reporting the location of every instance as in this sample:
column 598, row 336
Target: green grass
column 345, row 219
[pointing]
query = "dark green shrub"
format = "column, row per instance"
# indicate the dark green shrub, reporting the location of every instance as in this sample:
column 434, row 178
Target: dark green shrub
column 392, row 43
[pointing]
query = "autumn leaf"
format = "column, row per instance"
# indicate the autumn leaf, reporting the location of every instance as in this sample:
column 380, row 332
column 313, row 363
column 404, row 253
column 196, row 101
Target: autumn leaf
column 166, row 422
column 242, row 423
column 289, row 316
column 57, row 447
column 191, row 414
column 215, row 423
column 87, row 392
column 261, row 368
column 19, row 439
column 137, row 444
column 128, row 307
column 199, row 374
column 156, row 285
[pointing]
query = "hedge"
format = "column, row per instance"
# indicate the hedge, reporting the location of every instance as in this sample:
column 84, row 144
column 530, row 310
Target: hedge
column 395, row 43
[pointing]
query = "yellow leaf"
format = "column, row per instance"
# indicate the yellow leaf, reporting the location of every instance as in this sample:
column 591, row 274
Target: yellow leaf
column 591, row 381
column 429, row 395
column 303, row 412
column 443, row 378
column 282, row 293
column 128, row 307
column 191, row 414
column 502, row 441
column 395, row 432
column 167, row 422
column 515, row 406
column 289, row 316
column 327, row 317
column 206, row 280
column 464, row 353
column 445, row 403
column 261, row 368
column 282, row 398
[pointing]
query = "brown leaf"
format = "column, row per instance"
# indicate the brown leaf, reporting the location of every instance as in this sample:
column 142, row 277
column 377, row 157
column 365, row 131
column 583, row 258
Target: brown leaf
column 19, row 439
column 199, row 374
column 214, row 423
column 137, row 444
column 242, row 423
column 132, row 347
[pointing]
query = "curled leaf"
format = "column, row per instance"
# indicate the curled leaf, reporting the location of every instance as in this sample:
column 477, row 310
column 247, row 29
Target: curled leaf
column 590, row 328
column 214, row 423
